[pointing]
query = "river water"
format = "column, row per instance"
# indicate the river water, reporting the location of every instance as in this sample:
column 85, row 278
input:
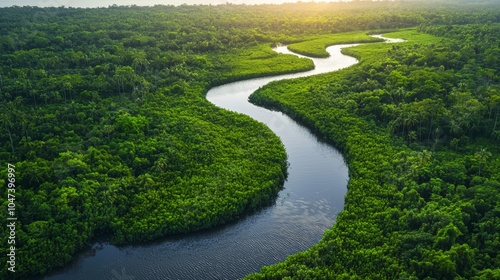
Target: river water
column 312, row 197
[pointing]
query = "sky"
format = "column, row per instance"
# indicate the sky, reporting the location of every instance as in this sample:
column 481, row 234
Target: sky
column 106, row 3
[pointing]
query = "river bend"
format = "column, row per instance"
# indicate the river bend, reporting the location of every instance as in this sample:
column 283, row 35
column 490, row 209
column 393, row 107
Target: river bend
column 312, row 197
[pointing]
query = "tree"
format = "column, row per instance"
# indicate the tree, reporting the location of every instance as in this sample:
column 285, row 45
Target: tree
column 124, row 77
column 7, row 118
column 482, row 157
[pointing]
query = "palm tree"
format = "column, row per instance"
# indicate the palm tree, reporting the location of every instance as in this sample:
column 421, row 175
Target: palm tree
column 482, row 156
column 108, row 128
column 455, row 128
column 140, row 63
column 421, row 161
column 424, row 157
column 161, row 165
column 411, row 119
column 108, row 194
column 412, row 136
column 464, row 120
column 146, row 181
column 124, row 76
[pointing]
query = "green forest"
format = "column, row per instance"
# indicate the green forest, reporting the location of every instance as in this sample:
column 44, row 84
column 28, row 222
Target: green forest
column 104, row 116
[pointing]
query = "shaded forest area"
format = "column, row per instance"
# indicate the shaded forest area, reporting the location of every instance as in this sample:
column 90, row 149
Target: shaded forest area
column 104, row 116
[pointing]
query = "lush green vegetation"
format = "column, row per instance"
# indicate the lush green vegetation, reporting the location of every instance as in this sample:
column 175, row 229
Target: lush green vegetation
column 418, row 125
column 316, row 46
column 261, row 61
column 104, row 116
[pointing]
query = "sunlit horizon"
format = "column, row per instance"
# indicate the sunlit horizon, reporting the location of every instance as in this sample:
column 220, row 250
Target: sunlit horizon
column 106, row 3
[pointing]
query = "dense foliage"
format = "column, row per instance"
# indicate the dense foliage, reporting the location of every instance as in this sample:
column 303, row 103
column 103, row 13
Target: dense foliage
column 103, row 115
column 316, row 46
column 418, row 124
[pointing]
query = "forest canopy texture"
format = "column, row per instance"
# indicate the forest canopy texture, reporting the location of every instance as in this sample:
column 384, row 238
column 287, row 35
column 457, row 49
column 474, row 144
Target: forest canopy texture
column 103, row 116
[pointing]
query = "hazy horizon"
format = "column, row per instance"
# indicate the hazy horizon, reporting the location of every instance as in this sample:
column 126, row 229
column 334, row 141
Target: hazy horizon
column 106, row 3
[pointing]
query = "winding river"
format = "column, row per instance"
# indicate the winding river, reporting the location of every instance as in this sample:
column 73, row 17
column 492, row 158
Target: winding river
column 306, row 207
